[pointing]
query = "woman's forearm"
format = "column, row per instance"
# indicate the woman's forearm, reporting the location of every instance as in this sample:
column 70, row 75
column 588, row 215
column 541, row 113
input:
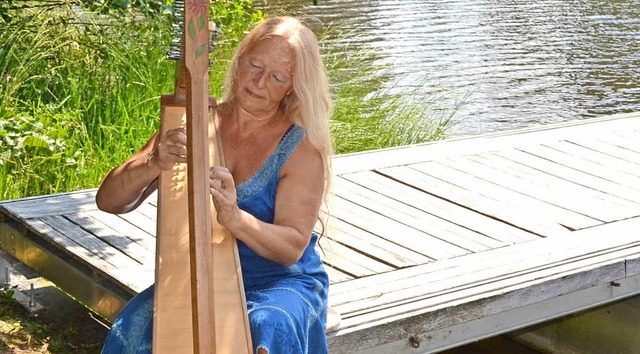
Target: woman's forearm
column 279, row 243
column 126, row 186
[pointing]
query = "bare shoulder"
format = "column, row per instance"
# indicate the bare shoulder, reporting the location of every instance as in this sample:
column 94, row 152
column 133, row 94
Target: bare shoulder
column 305, row 160
column 300, row 188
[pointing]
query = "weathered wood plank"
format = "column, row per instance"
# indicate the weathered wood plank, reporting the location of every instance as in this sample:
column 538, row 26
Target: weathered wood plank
column 392, row 289
column 128, row 274
column 627, row 140
column 50, row 205
column 115, row 239
column 509, row 261
column 608, row 147
column 148, row 210
column 497, row 190
column 583, row 165
column 487, row 142
column 577, row 151
column 620, row 207
column 141, row 220
column 350, row 261
column 336, row 275
column 82, row 238
column 403, row 336
column 415, row 218
column 442, row 208
column 506, row 210
column 393, row 231
column 594, row 260
column 125, row 228
column 567, row 173
column 598, row 206
column 396, row 255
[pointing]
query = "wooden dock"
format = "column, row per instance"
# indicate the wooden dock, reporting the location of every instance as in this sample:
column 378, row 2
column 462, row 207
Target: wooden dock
column 434, row 245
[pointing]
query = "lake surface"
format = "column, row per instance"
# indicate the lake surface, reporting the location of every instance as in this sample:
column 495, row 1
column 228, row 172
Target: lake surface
column 513, row 63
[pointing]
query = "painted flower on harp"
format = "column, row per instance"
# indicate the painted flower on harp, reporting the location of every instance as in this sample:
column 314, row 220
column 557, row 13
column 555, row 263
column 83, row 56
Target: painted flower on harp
column 198, row 6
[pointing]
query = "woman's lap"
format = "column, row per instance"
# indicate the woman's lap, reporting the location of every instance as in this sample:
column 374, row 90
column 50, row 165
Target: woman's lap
column 277, row 314
column 280, row 313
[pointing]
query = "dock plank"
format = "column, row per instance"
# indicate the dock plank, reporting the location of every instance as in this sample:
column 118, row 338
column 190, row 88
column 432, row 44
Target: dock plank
column 144, row 221
column 442, row 208
column 618, row 207
column 609, row 148
column 497, row 189
column 577, row 151
column 584, row 165
column 370, row 300
column 627, row 141
column 597, row 206
column 415, row 218
column 391, row 253
column 394, row 231
column 99, row 256
column 569, row 174
column 505, row 210
column 50, row 205
column 336, row 275
column 125, row 228
column 350, row 262
column 117, row 240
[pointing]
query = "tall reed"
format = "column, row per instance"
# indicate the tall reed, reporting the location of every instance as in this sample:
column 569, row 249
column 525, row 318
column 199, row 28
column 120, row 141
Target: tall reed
column 368, row 116
column 68, row 97
column 78, row 96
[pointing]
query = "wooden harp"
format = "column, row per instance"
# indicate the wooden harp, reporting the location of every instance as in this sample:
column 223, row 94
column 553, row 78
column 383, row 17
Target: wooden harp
column 199, row 300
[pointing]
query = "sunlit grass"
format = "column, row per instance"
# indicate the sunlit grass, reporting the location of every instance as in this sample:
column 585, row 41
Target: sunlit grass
column 77, row 100
column 368, row 117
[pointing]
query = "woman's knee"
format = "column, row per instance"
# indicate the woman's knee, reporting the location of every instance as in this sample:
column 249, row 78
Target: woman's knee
column 272, row 317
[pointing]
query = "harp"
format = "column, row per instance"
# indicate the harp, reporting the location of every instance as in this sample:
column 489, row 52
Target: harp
column 199, row 301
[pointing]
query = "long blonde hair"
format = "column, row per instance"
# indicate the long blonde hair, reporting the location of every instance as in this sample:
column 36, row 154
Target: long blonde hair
column 309, row 103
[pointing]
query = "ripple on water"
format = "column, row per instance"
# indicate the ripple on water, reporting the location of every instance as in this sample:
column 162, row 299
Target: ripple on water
column 518, row 63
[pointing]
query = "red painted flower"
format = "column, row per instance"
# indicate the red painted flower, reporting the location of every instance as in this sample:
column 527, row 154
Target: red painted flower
column 197, row 6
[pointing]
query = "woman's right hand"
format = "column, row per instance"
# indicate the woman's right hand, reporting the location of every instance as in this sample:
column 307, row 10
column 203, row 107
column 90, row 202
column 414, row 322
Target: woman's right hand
column 170, row 149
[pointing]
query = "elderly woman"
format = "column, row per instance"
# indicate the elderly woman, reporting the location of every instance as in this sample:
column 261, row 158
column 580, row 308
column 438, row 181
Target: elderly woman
column 275, row 136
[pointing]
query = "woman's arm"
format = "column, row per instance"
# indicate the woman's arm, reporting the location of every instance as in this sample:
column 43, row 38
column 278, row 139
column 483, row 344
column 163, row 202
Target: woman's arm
column 126, row 186
column 298, row 200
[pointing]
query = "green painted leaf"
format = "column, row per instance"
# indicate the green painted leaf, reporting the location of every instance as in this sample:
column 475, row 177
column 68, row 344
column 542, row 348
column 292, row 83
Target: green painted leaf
column 200, row 50
column 201, row 22
column 191, row 28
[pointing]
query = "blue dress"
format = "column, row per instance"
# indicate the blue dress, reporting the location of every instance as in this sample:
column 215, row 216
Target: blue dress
column 287, row 306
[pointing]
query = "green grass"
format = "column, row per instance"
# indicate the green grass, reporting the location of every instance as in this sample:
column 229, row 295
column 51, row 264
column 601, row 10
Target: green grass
column 79, row 93
column 367, row 118
column 78, row 100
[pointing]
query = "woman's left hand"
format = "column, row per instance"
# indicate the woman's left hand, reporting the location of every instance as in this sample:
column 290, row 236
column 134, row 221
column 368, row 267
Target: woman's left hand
column 225, row 199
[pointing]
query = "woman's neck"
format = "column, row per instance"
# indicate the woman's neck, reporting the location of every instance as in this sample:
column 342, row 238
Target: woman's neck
column 249, row 122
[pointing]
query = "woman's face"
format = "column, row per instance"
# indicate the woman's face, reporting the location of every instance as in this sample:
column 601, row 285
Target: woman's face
column 265, row 76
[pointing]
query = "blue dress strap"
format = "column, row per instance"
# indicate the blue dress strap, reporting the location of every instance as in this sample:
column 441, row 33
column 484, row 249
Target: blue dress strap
column 271, row 168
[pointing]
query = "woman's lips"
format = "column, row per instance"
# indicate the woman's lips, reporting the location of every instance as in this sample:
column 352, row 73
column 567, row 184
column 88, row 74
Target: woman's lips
column 253, row 94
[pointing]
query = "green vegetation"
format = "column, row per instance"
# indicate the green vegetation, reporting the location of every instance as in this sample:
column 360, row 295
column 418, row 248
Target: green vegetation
column 22, row 333
column 79, row 89
column 366, row 117
column 80, row 83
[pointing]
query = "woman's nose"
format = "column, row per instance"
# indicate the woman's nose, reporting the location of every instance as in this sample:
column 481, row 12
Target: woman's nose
column 261, row 78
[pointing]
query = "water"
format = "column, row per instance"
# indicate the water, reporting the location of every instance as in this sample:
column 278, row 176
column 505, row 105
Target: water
column 515, row 63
